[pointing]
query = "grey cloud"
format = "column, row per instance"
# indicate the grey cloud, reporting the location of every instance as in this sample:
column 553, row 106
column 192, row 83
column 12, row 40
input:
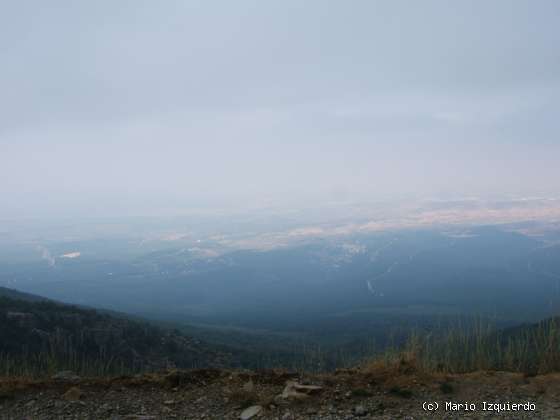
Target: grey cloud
column 253, row 99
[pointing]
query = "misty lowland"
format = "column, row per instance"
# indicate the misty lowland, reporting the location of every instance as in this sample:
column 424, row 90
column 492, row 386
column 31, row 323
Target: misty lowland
column 279, row 210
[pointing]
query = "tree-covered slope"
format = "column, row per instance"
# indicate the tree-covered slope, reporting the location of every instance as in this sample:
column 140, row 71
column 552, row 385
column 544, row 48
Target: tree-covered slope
column 37, row 335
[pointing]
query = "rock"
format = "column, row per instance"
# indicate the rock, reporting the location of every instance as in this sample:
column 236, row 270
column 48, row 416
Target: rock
column 360, row 410
column 293, row 395
column 73, row 394
column 308, row 389
column 66, row 376
column 250, row 412
column 293, row 390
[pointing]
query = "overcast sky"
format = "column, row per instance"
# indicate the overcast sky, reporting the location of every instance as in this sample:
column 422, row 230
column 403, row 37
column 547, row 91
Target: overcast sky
column 115, row 106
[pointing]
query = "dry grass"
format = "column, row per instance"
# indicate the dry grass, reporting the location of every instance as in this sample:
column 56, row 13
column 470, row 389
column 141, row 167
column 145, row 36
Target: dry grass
column 392, row 364
column 531, row 351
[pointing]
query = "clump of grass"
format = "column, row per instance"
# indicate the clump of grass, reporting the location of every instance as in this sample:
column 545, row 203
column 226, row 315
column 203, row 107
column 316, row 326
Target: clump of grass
column 391, row 364
column 50, row 361
column 400, row 392
column 360, row 393
column 446, row 388
column 6, row 395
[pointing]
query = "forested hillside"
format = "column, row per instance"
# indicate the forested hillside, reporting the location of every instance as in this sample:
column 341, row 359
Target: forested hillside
column 38, row 335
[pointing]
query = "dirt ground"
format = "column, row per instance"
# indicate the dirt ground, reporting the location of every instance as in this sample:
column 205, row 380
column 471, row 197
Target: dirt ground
column 220, row 394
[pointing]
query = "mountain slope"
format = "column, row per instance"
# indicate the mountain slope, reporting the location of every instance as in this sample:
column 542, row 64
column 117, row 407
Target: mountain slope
column 16, row 294
column 38, row 335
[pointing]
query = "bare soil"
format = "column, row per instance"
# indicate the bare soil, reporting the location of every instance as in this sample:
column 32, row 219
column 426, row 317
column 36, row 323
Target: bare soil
column 224, row 394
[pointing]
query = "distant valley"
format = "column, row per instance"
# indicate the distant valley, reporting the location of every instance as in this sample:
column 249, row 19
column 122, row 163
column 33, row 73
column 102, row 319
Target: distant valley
column 348, row 289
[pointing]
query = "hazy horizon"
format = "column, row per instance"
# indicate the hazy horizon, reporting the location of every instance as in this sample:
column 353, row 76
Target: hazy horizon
column 141, row 107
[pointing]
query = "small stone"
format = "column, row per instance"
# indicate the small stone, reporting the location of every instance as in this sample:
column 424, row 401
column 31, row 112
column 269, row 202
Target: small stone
column 360, row 410
column 278, row 399
column 73, row 394
column 250, row 412
column 249, row 386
